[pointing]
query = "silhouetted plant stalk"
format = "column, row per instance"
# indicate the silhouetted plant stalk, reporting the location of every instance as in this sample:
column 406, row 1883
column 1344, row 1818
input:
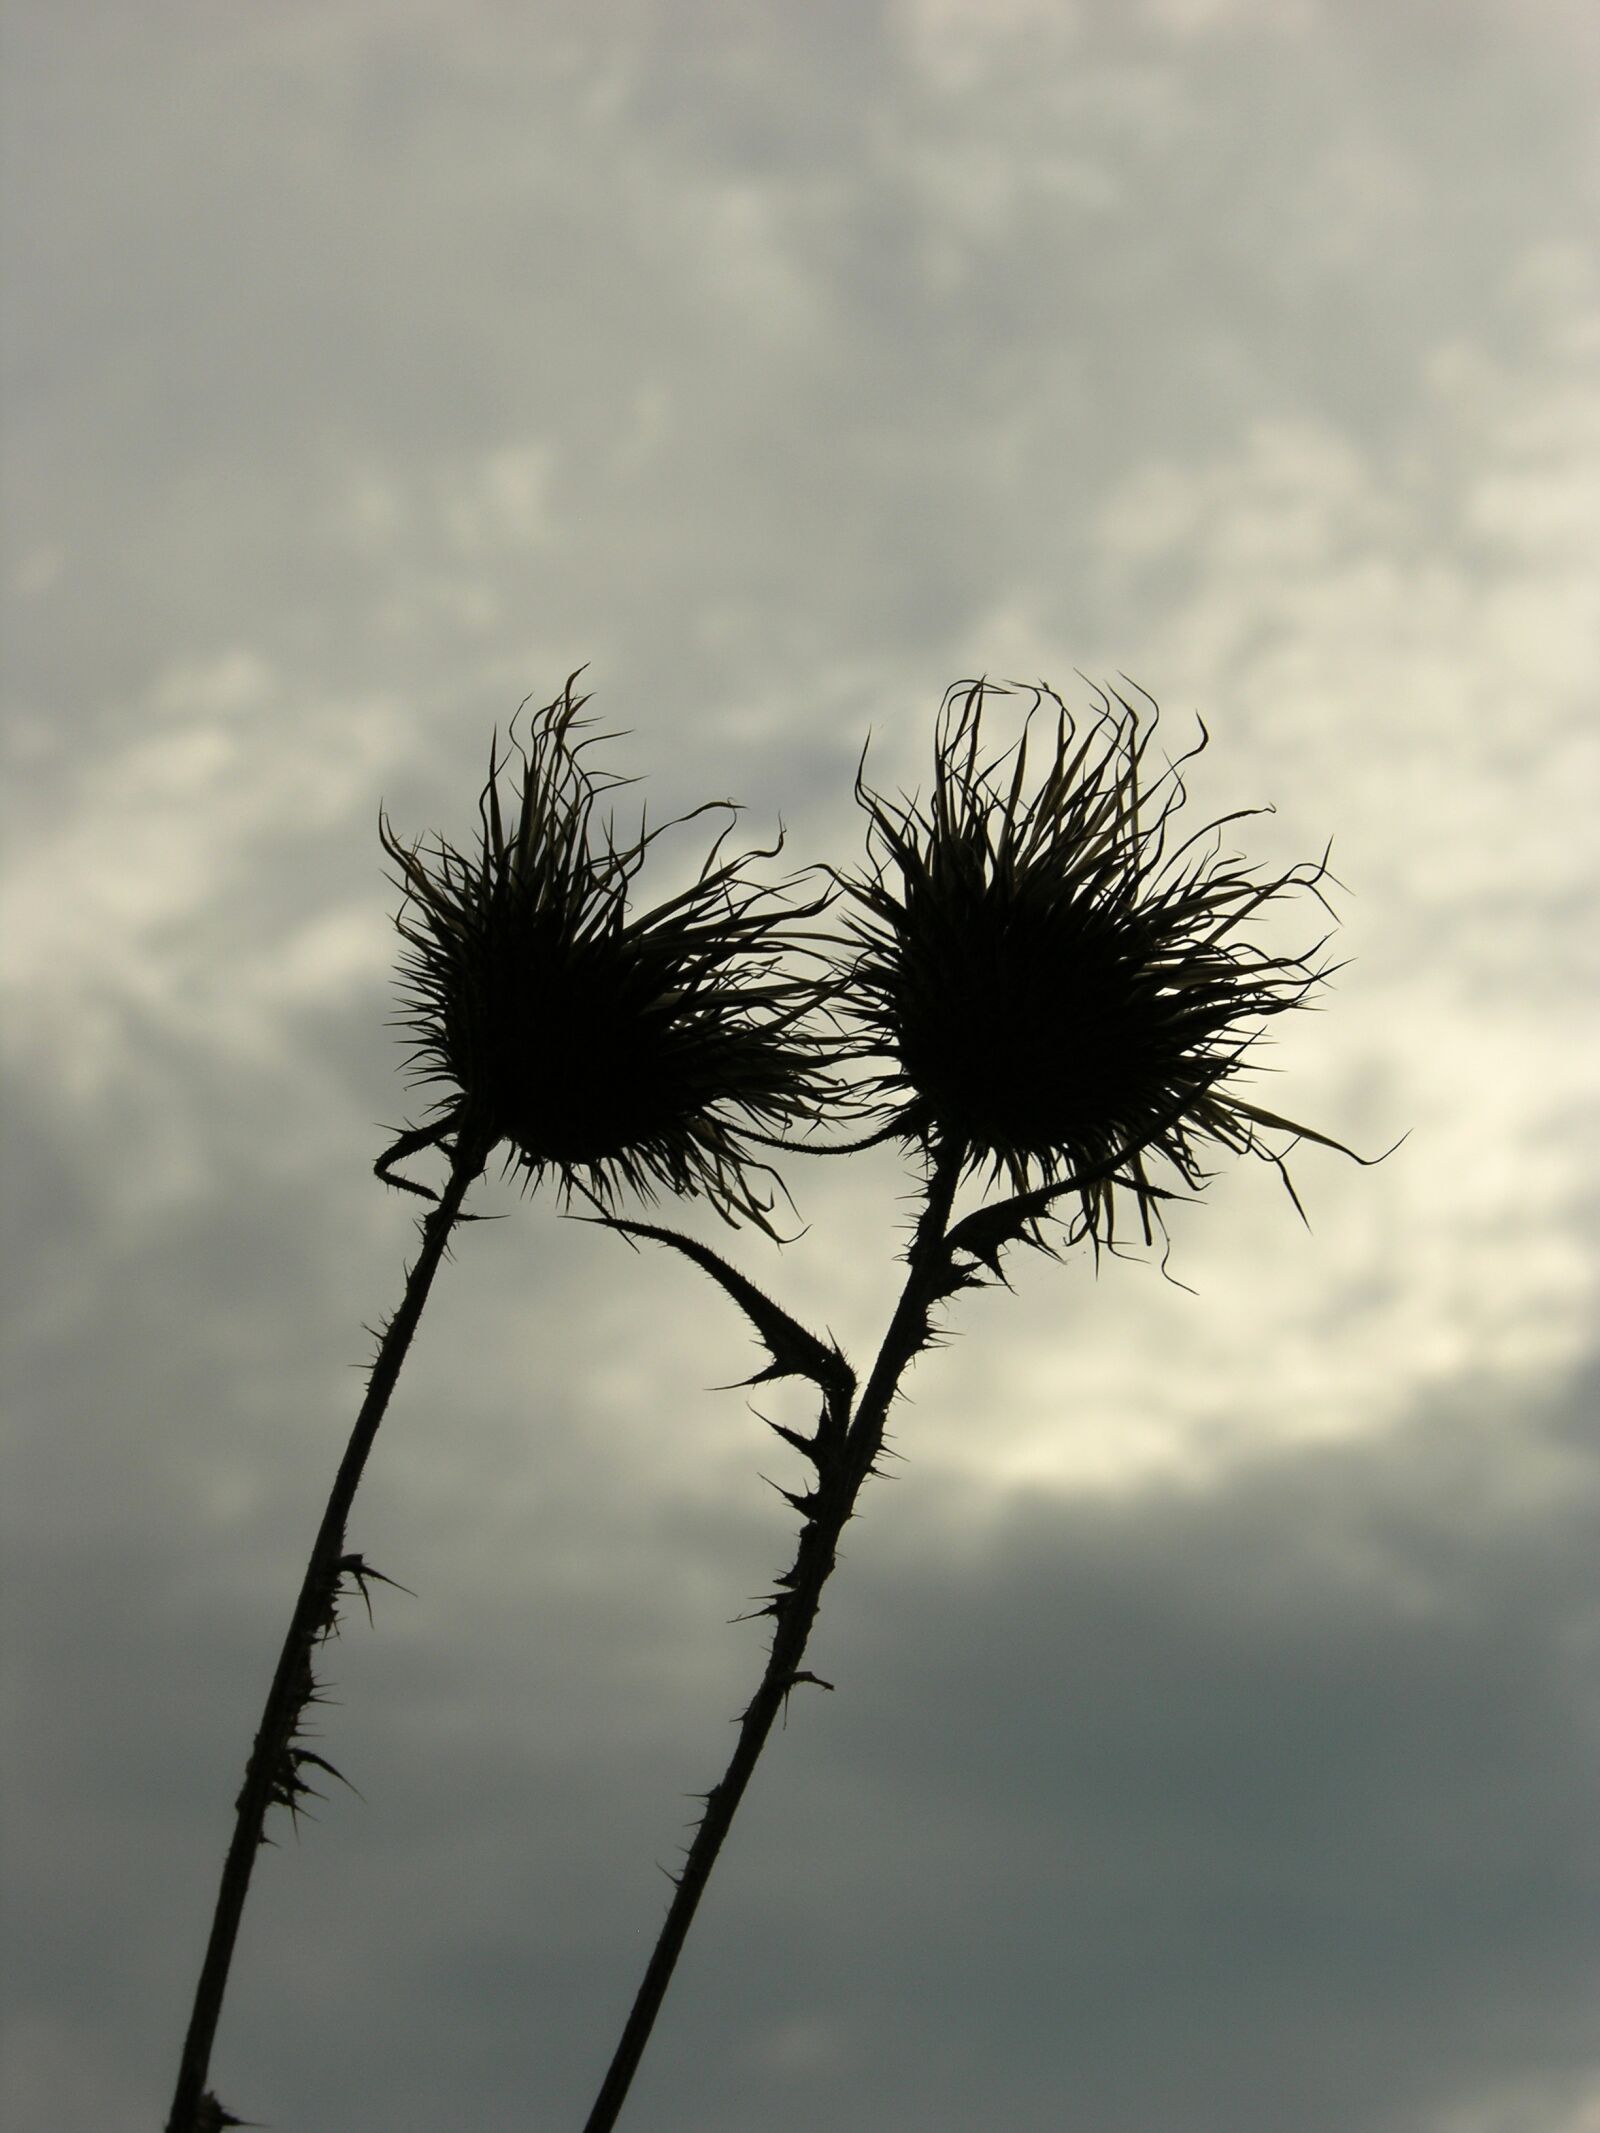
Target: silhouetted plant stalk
column 612, row 1048
column 1058, row 1000
column 273, row 1776
column 1052, row 997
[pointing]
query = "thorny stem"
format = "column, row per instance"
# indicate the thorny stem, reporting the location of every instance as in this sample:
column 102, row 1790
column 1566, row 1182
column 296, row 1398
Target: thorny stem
column 271, row 1755
column 847, row 1452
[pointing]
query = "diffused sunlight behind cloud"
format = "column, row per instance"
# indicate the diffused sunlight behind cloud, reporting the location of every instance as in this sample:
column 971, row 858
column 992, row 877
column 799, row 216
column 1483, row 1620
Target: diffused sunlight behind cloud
column 1212, row 1750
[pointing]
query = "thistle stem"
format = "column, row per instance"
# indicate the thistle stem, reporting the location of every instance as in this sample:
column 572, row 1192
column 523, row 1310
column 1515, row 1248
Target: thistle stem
column 286, row 1699
column 843, row 1467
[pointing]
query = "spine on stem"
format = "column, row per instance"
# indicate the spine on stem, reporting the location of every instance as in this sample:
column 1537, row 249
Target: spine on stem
column 273, row 1774
column 844, row 1452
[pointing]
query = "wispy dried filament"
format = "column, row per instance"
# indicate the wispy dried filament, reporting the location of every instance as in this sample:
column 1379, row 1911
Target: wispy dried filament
column 615, row 1048
column 1056, row 985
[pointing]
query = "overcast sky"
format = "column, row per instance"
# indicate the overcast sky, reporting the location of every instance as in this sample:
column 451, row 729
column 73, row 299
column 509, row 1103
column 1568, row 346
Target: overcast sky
column 1216, row 1743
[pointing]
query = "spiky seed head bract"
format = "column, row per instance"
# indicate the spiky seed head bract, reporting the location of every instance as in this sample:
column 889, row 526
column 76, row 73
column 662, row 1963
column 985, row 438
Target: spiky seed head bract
column 612, row 1047
column 1060, row 990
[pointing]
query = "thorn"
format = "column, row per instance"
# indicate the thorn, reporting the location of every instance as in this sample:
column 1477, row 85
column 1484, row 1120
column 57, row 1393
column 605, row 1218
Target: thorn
column 212, row 2118
column 803, row 1504
column 357, row 1567
column 305, row 1755
column 807, row 1447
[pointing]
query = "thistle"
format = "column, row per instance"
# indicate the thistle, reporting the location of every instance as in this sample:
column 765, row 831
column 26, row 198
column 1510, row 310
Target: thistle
column 619, row 1052
column 1048, row 988
column 1058, row 997
column 1058, row 990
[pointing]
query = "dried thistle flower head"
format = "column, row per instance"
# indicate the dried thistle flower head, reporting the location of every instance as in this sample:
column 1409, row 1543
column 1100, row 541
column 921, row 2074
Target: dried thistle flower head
column 1062, row 993
column 612, row 1047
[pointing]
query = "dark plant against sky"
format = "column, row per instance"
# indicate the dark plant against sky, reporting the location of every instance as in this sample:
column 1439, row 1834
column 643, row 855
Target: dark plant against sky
column 621, row 1050
column 1052, row 980
column 1059, row 998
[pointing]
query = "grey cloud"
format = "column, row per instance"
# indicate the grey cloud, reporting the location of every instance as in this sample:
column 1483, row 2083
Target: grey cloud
column 1265, row 1802
column 786, row 363
column 363, row 253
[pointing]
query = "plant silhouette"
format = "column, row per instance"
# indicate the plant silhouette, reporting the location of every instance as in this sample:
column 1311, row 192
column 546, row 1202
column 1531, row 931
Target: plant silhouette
column 1035, row 987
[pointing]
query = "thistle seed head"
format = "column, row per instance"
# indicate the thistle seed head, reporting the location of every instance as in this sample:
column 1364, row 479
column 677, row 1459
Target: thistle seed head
column 611, row 1047
column 1061, row 990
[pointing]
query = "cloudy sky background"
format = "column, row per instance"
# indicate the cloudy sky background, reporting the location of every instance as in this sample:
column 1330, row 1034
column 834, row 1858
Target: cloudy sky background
column 1217, row 1737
